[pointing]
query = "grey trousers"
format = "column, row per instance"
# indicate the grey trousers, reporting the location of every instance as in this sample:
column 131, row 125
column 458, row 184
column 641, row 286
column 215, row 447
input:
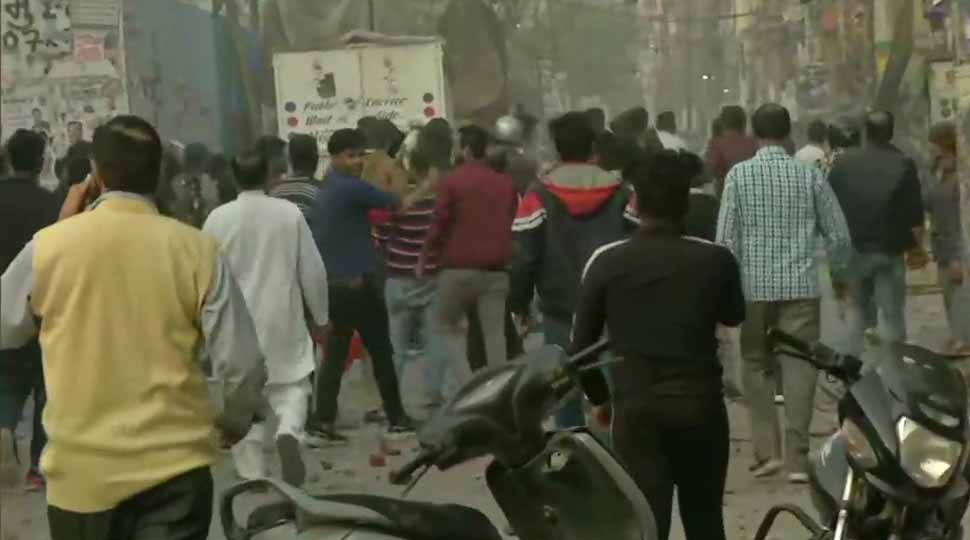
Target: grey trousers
column 956, row 300
column 800, row 318
column 460, row 291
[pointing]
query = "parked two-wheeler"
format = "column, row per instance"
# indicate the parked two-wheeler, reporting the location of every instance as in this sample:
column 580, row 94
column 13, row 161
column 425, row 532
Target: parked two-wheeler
column 559, row 486
column 897, row 467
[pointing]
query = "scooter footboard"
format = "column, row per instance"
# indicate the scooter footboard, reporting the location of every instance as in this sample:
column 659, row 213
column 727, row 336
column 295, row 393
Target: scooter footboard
column 818, row 532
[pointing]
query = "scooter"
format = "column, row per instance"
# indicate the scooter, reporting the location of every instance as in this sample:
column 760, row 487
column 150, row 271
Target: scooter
column 558, row 486
column 897, row 467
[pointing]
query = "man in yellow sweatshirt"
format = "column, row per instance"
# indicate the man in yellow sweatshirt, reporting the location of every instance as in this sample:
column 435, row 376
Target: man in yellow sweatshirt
column 124, row 302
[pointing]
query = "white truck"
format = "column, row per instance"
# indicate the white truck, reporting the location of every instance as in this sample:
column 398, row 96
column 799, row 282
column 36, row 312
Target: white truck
column 320, row 92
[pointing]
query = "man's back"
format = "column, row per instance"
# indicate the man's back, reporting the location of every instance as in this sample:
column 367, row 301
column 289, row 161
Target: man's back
column 879, row 190
column 727, row 151
column 25, row 208
column 120, row 292
column 341, row 227
column 261, row 239
column 301, row 191
column 772, row 209
column 473, row 218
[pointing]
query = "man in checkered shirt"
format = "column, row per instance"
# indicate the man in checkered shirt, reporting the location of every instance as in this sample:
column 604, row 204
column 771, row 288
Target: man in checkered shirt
column 772, row 211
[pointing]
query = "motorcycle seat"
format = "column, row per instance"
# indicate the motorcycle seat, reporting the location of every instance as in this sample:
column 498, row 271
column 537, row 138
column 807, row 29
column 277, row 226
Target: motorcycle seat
column 413, row 520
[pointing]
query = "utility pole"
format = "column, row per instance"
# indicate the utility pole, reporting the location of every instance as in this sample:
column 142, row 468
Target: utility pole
column 687, row 40
column 371, row 16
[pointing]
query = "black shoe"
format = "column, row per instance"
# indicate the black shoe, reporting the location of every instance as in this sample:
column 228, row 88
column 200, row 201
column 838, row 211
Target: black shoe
column 328, row 434
column 402, row 427
column 294, row 470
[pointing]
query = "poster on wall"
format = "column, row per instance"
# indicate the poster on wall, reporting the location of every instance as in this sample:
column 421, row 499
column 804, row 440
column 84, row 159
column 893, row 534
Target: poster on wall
column 32, row 34
column 95, row 13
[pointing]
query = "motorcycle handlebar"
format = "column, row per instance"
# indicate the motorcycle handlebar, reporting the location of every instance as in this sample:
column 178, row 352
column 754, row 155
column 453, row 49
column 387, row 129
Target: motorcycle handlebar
column 402, row 476
column 843, row 367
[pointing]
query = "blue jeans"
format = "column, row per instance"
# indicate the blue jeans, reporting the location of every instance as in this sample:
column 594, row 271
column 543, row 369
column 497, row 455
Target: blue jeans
column 880, row 279
column 558, row 333
column 410, row 309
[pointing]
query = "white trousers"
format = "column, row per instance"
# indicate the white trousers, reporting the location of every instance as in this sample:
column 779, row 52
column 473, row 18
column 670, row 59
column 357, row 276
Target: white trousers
column 288, row 403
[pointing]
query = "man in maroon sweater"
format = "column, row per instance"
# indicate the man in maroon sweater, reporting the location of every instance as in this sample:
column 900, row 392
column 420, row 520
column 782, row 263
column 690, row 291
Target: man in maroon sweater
column 472, row 235
column 732, row 147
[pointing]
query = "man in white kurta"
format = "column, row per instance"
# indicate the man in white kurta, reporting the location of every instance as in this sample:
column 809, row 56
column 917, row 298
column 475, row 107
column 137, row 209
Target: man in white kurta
column 273, row 257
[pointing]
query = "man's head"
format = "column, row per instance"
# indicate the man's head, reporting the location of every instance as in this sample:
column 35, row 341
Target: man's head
column 75, row 132
column 631, row 123
column 37, row 114
column 304, row 155
column 346, row 147
column 844, row 133
column 614, row 153
column 662, row 184
column 597, row 119
column 196, row 158
column 880, row 127
column 25, row 150
column 78, row 160
column 771, row 123
column 273, row 150
column 818, row 132
column 127, row 155
column 733, row 118
column 666, row 121
column 574, row 137
column 473, row 141
column 250, row 170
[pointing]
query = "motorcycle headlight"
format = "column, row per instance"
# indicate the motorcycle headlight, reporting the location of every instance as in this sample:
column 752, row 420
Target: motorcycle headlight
column 858, row 446
column 927, row 458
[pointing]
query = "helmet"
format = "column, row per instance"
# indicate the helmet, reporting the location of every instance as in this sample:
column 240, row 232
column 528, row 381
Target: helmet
column 509, row 129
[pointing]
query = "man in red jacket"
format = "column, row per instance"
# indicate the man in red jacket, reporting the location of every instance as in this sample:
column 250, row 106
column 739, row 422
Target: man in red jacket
column 472, row 235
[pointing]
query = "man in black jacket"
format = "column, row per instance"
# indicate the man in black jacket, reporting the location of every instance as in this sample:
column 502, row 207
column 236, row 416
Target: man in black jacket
column 561, row 221
column 25, row 208
column 879, row 190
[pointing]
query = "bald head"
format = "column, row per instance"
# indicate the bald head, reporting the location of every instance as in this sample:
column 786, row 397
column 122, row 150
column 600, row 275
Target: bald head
column 880, row 126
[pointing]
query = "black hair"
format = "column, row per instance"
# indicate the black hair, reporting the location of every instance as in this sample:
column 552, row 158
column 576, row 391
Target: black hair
column 717, row 128
column 818, row 132
column 420, row 160
column 77, row 164
column 475, row 139
column 615, row 153
column 596, row 118
column 196, row 156
column 880, row 126
column 662, row 183
column 250, row 169
column 631, row 123
column 304, row 154
column 574, row 137
column 128, row 153
column 346, row 139
column 25, row 150
column 75, row 123
column 734, row 118
column 436, row 141
column 844, row 133
column 273, row 150
column 771, row 122
column 666, row 121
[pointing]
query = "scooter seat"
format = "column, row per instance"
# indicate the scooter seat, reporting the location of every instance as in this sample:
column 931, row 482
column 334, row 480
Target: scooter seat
column 418, row 520
column 405, row 519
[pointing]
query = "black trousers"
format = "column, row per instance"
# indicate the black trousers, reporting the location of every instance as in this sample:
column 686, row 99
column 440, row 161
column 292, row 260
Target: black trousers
column 22, row 374
column 180, row 509
column 681, row 442
column 360, row 309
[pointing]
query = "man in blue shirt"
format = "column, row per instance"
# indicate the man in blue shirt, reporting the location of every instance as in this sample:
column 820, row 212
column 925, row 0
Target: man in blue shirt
column 342, row 230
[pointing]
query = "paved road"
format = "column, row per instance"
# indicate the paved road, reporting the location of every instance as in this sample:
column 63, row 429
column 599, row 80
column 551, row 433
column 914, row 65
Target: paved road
column 22, row 515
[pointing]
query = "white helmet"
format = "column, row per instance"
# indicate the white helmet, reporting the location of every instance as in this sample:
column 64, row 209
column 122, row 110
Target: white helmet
column 509, row 129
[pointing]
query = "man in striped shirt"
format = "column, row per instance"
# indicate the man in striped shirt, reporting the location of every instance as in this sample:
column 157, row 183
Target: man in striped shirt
column 410, row 299
column 301, row 188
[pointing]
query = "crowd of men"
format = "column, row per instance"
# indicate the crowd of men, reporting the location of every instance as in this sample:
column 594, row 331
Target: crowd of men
column 440, row 250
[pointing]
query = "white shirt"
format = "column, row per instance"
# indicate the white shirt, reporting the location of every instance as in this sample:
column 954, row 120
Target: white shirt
column 811, row 154
column 671, row 141
column 273, row 257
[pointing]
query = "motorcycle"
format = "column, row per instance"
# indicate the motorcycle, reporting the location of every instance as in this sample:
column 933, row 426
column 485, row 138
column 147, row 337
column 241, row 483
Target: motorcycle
column 558, row 486
column 897, row 467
